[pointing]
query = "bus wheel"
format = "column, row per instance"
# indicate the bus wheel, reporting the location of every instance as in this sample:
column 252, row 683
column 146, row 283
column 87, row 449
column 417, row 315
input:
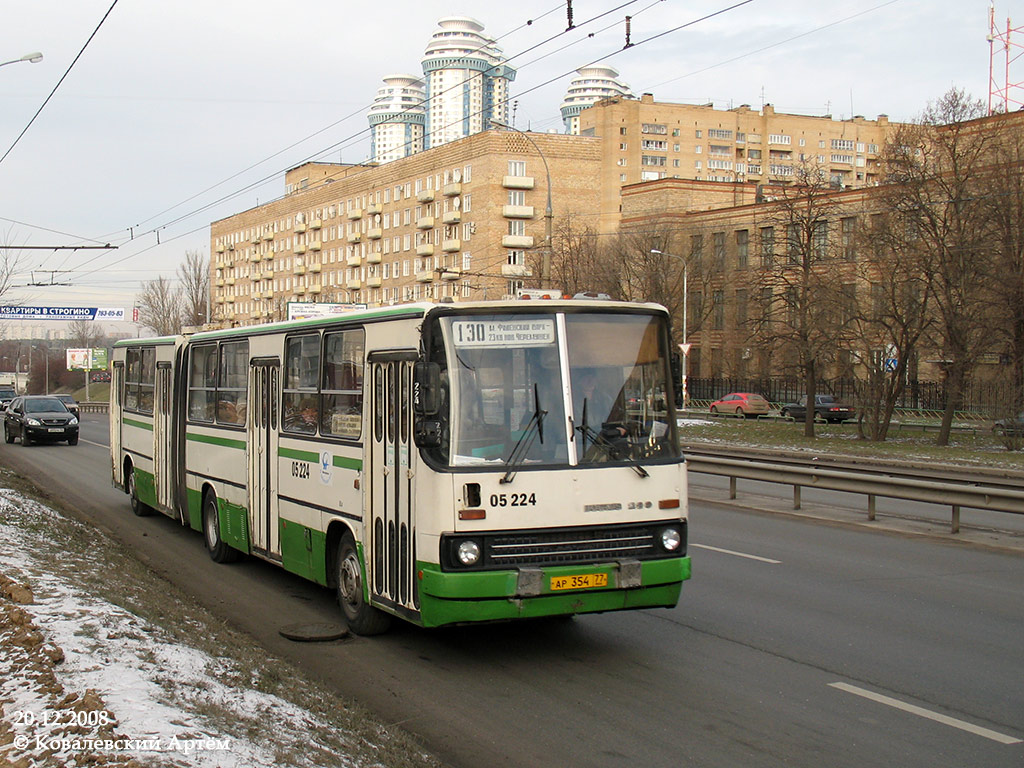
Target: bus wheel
column 219, row 551
column 363, row 619
column 138, row 507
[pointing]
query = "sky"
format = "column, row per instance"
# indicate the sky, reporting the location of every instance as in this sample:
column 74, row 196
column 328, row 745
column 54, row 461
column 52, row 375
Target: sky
column 178, row 114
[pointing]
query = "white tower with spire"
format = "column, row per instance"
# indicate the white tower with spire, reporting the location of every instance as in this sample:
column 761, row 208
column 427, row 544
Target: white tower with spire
column 467, row 81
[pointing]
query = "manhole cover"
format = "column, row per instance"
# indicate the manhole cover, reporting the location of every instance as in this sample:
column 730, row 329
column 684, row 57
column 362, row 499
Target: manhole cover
column 317, row 632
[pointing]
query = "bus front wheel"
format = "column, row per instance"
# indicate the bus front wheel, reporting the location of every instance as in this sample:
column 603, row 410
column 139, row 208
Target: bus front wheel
column 219, row 551
column 362, row 618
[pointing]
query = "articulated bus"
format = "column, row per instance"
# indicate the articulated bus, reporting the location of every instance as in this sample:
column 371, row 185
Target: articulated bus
column 443, row 463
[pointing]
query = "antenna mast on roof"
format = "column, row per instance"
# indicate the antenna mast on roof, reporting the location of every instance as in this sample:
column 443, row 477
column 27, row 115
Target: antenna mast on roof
column 1004, row 96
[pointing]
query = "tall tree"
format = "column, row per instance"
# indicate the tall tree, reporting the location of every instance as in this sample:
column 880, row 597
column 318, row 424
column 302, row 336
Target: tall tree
column 160, row 307
column 805, row 312
column 194, row 277
column 935, row 169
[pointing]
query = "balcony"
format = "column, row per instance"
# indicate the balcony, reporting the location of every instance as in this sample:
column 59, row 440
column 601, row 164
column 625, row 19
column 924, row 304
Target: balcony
column 425, row 249
column 231, row 246
column 299, row 270
column 354, row 285
column 426, row 276
column 374, row 208
column 315, row 289
column 314, row 269
column 219, row 283
column 300, row 248
column 516, row 270
column 268, row 235
column 517, row 241
column 354, row 261
column 229, row 281
column 256, row 239
column 300, row 290
column 517, row 182
column 375, row 234
column 267, row 274
column 373, row 258
column 517, row 211
column 221, row 299
column 316, row 245
column 451, row 273
column 450, row 246
column 355, row 214
column 355, row 237
column 426, row 196
column 300, row 227
column 255, row 258
column 452, row 217
column 316, row 224
column 374, row 281
column 453, row 189
column 268, row 295
column 268, row 256
column 220, row 248
column 425, row 222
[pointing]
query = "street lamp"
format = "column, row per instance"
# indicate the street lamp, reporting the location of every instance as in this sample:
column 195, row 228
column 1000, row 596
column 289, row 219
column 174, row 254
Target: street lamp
column 545, row 272
column 684, row 347
column 46, row 361
column 32, row 58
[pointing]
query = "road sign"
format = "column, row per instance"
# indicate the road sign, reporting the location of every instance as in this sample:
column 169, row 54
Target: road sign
column 890, row 364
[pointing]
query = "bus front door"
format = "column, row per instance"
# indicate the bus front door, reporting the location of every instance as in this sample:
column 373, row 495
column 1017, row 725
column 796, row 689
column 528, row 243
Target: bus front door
column 264, row 377
column 162, row 435
column 391, row 534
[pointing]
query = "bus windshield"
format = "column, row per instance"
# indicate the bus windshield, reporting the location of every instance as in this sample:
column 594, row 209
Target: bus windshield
column 555, row 389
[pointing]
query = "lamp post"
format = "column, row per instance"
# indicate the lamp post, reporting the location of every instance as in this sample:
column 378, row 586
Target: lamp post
column 32, row 58
column 545, row 271
column 684, row 347
column 46, row 362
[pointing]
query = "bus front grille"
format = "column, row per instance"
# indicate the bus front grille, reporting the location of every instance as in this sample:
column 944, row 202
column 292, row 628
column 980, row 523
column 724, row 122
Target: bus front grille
column 564, row 546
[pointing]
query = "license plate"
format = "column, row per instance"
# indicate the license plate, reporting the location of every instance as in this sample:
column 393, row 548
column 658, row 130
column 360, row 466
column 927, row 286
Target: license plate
column 581, row 581
column 56, row 429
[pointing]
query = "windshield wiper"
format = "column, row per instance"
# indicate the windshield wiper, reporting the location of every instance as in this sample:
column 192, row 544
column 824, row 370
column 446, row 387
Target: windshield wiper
column 534, row 429
column 607, row 447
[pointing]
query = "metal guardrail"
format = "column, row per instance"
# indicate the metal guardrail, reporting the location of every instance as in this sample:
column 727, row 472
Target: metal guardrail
column 98, row 407
column 956, row 494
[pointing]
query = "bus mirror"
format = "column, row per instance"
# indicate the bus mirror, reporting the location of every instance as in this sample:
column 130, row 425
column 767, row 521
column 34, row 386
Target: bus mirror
column 426, row 389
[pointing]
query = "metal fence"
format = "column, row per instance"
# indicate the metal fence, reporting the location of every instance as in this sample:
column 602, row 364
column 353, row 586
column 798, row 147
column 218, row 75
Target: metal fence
column 986, row 397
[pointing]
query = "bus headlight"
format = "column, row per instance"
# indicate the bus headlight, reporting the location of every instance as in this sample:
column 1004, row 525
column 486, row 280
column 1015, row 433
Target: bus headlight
column 468, row 552
column 670, row 539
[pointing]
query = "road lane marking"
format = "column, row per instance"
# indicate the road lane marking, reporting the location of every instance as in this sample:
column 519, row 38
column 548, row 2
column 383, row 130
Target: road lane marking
column 921, row 712
column 90, row 442
column 737, row 554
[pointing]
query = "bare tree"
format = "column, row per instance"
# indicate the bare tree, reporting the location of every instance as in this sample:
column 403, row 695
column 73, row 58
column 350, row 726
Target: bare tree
column 194, row 275
column 937, row 188
column 160, row 307
column 85, row 334
column 805, row 310
column 889, row 322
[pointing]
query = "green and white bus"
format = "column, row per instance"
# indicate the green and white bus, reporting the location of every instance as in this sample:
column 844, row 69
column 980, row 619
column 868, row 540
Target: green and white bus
column 444, row 463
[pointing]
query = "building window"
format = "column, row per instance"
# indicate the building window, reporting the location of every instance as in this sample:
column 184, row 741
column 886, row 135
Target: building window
column 767, row 246
column 742, row 246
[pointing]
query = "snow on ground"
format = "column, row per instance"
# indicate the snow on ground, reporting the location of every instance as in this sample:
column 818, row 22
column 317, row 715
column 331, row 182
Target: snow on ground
column 83, row 681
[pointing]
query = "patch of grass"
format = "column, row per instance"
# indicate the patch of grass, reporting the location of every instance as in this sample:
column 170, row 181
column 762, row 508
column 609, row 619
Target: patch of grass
column 980, row 447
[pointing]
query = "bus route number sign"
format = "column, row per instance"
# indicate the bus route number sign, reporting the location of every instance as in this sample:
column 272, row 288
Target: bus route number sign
column 523, row 332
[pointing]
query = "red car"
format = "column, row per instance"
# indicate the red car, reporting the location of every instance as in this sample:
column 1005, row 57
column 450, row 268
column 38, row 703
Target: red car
column 742, row 404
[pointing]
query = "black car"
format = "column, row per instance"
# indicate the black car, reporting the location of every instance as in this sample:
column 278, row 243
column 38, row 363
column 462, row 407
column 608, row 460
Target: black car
column 7, row 393
column 69, row 401
column 42, row 418
column 825, row 407
column 1011, row 426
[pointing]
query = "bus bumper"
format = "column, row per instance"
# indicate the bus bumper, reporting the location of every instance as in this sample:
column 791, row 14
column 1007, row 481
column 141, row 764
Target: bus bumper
column 455, row 598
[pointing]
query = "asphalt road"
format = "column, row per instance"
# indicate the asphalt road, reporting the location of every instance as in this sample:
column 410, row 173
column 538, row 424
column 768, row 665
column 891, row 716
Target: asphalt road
column 795, row 644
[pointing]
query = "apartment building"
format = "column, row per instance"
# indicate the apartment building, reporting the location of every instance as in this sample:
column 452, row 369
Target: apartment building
column 460, row 221
column 645, row 140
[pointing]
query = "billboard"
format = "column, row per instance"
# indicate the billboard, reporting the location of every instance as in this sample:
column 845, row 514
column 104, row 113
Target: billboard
column 87, row 359
column 11, row 312
column 303, row 310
